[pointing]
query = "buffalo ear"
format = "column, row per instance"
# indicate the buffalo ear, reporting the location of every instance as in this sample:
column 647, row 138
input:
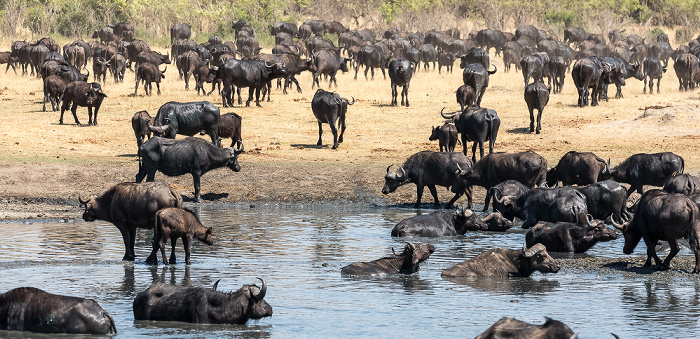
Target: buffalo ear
column 102, row 94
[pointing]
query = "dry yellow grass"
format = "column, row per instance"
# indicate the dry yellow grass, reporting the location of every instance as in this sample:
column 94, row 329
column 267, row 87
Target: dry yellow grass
column 283, row 133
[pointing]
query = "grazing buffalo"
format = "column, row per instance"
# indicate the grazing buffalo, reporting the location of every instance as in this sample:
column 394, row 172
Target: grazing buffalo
column 578, row 168
column 400, row 73
column 81, row 93
column 569, row 237
column 406, row 263
column 647, row 169
column 536, row 97
column 478, row 125
column 663, row 216
column 139, row 123
column 162, row 302
column 653, row 70
column 54, row 85
column 187, row 118
column 173, row 223
column 514, row 328
column 189, row 155
column 439, row 224
column 528, row 168
column 31, row 309
column 477, row 76
column 329, row 107
column 682, row 183
column 502, row 262
column 130, row 205
column 465, row 96
column 148, row 73
column 447, row 136
column 428, row 168
column 230, row 127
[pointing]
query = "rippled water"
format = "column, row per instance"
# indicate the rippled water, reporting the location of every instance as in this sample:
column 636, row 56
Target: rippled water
column 299, row 250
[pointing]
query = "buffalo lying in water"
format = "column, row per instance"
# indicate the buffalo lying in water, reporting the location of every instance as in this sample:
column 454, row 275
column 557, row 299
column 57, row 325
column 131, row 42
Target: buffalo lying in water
column 569, row 237
column 440, row 223
column 502, row 262
column 407, row 262
column 514, row 328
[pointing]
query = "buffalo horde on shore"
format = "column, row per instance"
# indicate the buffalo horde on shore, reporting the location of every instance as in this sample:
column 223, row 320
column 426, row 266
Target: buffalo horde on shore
column 518, row 185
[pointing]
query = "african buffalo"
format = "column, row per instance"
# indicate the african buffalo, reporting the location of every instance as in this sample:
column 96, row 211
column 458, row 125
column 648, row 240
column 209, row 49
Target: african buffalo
column 647, row 169
column 536, row 66
column 180, row 31
column 188, row 118
column 513, row 328
column 477, row 76
column 400, row 73
column 230, row 127
column 428, row 168
column 445, row 59
column 586, row 74
column 478, row 125
column 440, row 223
column 406, row 263
column 31, row 309
column 543, row 204
column 81, row 93
column 173, row 223
column 682, row 183
column 139, row 123
column 465, row 96
column 653, row 70
column 162, row 302
column 569, row 237
column 578, row 168
column 687, row 67
column 54, row 86
column 189, row 155
column 663, row 216
column 327, row 108
column 501, row 262
column 447, row 136
column 536, row 97
column 528, row 168
column 130, row 205
column 148, row 73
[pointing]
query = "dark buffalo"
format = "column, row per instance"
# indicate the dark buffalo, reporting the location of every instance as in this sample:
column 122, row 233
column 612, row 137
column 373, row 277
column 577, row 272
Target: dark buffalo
column 139, row 123
column 663, row 216
column 118, row 67
column 99, row 69
column 190, row 61
column 687, row 67
column 528, row 168
column 475, row 56
column 124, row 30
column 620, row 70
column 174, row 223
column 578, row 168
column 286, row 27
column 105, row 34
column 535, row 66
column 189, row 155
column 162, row 302
column 37, row 54
column 586, row 74
column 502, row 262
column 511, row 188
column 569, row 237
column 400, row 73
column 370, row 57
column 653, row 70
column 465, row 96
column 430, row 169
column 75, row 56
column 439, row 224
column 406, row 263
column 477, row 76
column 230, row 127
column 328, row 62
column 478, row 125
column 513, row 328
column 81, row 93
column 152, row 57
column 445, row 59
column 660, row 50
column 542, row 204
column 254, row 74
column 187, row 118
column 317, row 26
column 54, row 86
column 428, row 54
column 180, row 31
column 7, row 58
column 334, row 27
column 148, row 73
column 327, row 108
column 536, row 97
column 130, row 205
column 682, row 183
column 446, row 135
column 529, row 31
column 31, row 309
column 647, row 169
column 511, row 57
column 488, row 38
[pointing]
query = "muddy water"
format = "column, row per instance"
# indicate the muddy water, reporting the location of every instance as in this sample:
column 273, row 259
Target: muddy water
column 299, row 250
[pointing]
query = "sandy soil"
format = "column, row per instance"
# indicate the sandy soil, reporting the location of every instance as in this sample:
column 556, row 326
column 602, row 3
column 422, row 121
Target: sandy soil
column 44, row 165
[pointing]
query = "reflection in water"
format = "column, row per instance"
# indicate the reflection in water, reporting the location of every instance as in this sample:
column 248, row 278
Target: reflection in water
column 299, row 250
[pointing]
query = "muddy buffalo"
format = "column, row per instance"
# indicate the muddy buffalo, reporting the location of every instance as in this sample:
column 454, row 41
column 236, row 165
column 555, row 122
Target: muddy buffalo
column 569, row 237
column 173, row 223
column 439, row 223
column 406, row 263
column 502, row 262
column 513, row 328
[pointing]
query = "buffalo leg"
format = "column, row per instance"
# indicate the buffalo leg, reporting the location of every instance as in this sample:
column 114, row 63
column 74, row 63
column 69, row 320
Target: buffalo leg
column 257, row 97
column 529, row 221
column 539, row 121
column 658, row 84
column 158, row 86
column 124, row 230
column 173, row 243
column 674, row 250
column 645, row 85
column 196, row 176
column 75, row 116
column 89, row 115
column 474, row 152
column 481, row 149
column 651, row 251
column 419, row 193
column 357, row 69
column 334, row 130
column 394, row 94
column 489, row 194
column 405, row 93
column 187, row 242
column 433, row 192
column 320, row 132
column 532, row 119
column 695, row 246
column 294, row 79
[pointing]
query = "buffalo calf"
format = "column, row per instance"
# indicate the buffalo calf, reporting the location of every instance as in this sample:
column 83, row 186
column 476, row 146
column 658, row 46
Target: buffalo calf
column 177, row 223
column 447, row 136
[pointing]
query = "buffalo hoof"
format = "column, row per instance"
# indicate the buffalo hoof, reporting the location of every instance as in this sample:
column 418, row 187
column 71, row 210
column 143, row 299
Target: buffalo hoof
column 60, row 122
column 152, row 261
column 172, row 261
column 696, row 270
column 537, row 132
column 128, row 258
column 661, row 267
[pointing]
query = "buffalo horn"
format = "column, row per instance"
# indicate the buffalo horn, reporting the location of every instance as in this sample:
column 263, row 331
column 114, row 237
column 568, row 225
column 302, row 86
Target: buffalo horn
column 403, row 172
column 284, row 64
column 81, row 199
column 589, row 219
column 537, row 248
column 216, row 284
column 458, row 167
column 394, row 251
column 497, row 195
column 616, row 225
column 165, row 69
column 411, row 246
column 607, row 166
column 263, row 291
column 387, row 169
column 268, row 65
column 447, row 116
column 240, row 147
column 353, row 101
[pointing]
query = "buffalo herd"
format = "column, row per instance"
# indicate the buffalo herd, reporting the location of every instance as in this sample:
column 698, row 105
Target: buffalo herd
column 518, row 185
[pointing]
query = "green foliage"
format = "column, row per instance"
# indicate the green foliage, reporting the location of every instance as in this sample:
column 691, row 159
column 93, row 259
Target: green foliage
column 655, row 32
column 564, row 18
column 74, row 19
column 683, row 35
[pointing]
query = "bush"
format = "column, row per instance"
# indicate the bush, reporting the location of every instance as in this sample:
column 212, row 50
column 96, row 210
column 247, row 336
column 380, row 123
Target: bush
column 556, row 17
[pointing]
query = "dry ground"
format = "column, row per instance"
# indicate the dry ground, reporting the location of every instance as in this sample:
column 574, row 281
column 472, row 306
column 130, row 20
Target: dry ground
column 41, row 159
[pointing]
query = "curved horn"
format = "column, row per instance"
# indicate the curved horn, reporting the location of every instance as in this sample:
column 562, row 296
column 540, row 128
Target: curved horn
column 166, row 68
column 411, row 246
column 284, row 64
column 268, row 65
column 494, row 69
column 616, row 225
column 240, row 148
column 403, row 171
column 353, row 101
column 447, row 116
column 81, row 199
column 387, row 169
column 263, row 291
column 589, row 219
column 459, row 168
column 498, row 197
column 394, row 251
column 537, row 248
column 216, row 284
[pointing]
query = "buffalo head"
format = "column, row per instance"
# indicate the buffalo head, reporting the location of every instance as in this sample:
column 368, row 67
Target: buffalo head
column 94, row 93
column 233, row 160
column 538, row 259
column 257, row 308
column 393, row 180
column 91, row 207
column 597, row 231
column 414, row 254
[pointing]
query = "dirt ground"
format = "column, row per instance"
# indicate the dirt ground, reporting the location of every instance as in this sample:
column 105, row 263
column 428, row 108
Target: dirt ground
column 44, row 165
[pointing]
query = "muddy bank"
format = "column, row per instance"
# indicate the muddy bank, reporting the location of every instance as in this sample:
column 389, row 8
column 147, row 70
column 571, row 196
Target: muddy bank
column 632, row 267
